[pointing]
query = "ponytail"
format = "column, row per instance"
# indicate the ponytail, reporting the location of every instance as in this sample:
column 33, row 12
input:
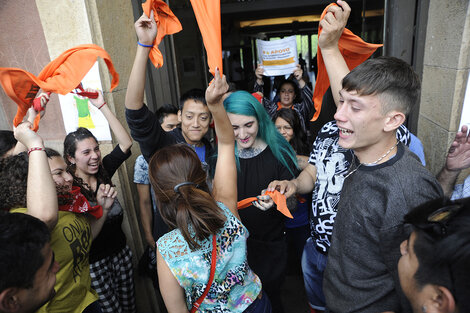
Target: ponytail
column 189, row 207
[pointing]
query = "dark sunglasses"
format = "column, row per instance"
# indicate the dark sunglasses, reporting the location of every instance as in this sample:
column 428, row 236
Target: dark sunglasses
column 433, row 217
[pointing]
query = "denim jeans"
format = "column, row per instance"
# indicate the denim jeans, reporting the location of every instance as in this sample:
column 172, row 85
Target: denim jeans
column 313, row 266
column 262, row 305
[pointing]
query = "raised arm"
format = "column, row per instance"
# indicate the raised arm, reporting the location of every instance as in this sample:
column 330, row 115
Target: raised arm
column 122, row 136
column 332, row 27
column 30, row 116
column 225, row 178
column 457, row 159
column 146, row 30
column 41, row 194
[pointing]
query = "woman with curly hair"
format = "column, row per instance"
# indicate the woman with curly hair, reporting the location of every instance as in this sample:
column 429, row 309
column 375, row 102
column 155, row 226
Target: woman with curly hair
column 110, row 257
column 73, row 231
column 262, row 155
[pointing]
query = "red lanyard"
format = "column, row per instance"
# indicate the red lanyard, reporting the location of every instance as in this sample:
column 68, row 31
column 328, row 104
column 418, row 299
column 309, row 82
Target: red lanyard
column 211, row 276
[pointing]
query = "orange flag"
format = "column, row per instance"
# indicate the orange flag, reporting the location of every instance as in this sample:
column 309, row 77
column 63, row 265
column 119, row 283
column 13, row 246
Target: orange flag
column 61, row 75
column 354, row 50
column 208, row 18
column 277, row 197
column 167, row 24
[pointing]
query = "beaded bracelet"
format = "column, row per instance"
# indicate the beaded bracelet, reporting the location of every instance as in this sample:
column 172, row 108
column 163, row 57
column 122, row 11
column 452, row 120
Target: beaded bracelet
column 142, row 45
column 101, row 106
column 35, row 149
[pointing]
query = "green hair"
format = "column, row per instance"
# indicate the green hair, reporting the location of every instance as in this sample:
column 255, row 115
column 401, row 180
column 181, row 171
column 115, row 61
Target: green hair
column 243, row 103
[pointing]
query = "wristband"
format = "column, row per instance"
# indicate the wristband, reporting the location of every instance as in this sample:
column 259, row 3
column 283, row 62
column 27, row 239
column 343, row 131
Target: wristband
column 142, row 45
column 35, row 149
column 102, row 105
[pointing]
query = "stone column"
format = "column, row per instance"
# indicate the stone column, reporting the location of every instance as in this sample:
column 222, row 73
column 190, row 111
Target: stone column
column 445, row 73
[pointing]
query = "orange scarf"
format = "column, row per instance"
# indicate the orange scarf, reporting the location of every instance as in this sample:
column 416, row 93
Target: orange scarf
column 354, row 50
column 61, row 76
column 277, row 197
column 207, row 14
column 279, row 106
column 167, row 24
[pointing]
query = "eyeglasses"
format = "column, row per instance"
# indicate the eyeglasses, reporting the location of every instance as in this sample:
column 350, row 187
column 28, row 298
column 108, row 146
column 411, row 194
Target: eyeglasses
column 284, row 128
column 434, row 222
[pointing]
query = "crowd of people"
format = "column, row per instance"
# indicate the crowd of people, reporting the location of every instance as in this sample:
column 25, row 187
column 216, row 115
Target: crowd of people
column 370, row 227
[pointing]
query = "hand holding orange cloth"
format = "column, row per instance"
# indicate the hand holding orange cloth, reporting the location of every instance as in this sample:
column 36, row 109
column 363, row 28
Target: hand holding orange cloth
column 277, row 197
column 167, row 24
column 354, row 50
column 61, row 76
column 207, row 14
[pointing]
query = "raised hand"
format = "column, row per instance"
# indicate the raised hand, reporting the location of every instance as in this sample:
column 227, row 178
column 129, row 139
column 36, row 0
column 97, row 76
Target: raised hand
column 146, row 29
column 24, row 134
column 259, row 74
column 98, row 102
column 298, row 72
column 333, row 25
column 217, row 89
column 458, row 157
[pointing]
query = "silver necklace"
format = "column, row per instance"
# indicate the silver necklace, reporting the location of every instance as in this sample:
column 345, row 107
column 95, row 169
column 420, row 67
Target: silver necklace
column 373, row 163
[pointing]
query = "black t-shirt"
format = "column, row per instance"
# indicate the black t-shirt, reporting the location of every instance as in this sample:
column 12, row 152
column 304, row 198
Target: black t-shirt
column 255, row 175
column 267, row 253
column 111, row 238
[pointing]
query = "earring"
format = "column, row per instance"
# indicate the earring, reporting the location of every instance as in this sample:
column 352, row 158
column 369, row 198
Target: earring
column 424, row 309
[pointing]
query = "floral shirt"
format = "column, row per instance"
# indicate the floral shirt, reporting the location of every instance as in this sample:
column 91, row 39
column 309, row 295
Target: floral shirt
column 235, row 286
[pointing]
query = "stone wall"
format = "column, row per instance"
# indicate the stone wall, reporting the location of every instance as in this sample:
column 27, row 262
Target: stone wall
column 445, row 73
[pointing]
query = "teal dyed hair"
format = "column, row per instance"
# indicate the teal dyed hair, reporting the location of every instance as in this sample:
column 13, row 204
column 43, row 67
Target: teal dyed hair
column 243, row 103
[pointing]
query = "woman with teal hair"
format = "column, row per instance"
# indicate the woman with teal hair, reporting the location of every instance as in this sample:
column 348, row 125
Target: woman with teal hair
column 263, row 155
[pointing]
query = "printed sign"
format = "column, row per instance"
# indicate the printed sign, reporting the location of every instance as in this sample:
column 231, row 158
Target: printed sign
column 465, row 119
column 79, row 112
column 278, row 57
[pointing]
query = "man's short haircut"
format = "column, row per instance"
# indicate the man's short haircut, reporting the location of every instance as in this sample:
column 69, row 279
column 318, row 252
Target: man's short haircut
column 198, row 95
column 164, row 111
column 7, row 142
column 22, row 238
column 391, row 79
column 443, row 251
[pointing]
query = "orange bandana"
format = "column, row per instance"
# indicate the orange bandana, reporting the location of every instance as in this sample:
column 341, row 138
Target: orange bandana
column 167, row 24
column 277, row 197
column 354, row 50
column 61, row 76
column 208, row 19
column 279, row 106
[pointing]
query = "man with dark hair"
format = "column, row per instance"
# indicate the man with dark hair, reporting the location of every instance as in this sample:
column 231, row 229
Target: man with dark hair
column 434, row 268
column 168, row 117
column 145, row 128
column 27, row 265
column 384, row 182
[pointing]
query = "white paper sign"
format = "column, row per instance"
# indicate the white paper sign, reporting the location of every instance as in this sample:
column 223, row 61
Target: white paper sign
column 465, row 119
column 78, row 112
column 278, row 57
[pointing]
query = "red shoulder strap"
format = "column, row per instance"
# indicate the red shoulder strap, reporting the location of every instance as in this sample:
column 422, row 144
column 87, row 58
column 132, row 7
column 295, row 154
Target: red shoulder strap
column 211, row 276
